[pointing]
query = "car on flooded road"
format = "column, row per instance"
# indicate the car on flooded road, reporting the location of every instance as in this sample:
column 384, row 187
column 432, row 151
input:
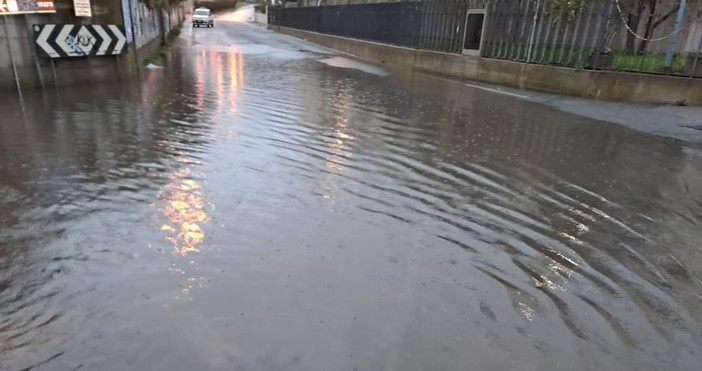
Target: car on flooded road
column 203, row 17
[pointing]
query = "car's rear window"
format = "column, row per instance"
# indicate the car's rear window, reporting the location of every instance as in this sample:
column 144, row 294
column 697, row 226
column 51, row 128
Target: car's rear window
column 202, row 12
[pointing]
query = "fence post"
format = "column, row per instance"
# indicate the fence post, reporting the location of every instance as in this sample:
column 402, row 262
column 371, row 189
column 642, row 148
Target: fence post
column 674, row 38
column 533, row 31
column 40, row 75
column 698, row 33
column 601, row 44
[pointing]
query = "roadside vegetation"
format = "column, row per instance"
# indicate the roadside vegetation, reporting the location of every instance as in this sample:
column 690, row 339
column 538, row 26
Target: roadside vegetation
column 160, row 55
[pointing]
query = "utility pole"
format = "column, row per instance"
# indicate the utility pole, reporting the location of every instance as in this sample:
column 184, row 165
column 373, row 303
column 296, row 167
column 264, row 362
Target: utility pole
column 12, row 60
column 673, row 41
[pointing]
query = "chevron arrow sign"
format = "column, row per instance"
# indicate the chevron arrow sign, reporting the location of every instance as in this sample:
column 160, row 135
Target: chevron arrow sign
column 76, row 40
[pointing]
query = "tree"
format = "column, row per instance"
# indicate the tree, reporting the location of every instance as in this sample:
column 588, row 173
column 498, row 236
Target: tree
column 654, row 12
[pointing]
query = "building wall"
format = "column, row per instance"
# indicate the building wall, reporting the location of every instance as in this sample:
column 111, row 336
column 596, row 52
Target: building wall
column 17, row 44
column 148, row 28
column 146, row 25
column 261, row 18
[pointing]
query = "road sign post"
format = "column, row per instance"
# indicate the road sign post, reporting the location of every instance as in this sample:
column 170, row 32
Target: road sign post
column 40, row 74
column 12, row 60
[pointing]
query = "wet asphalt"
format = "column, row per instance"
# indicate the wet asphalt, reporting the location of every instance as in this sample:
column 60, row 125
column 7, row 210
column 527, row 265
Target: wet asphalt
column 262, row 203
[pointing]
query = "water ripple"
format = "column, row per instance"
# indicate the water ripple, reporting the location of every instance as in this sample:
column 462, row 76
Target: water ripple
column 233, row 181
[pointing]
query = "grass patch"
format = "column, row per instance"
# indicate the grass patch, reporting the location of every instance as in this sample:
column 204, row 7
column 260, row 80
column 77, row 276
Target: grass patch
column 577, row 57
column 160, row 55
column 647, row 63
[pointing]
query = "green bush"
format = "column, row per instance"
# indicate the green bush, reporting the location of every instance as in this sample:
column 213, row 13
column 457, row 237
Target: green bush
column 160, row 56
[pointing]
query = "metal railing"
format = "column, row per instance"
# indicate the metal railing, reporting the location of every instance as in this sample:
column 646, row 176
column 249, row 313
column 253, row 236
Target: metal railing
column 391, row 23
column 528, row 31
column 622, row 35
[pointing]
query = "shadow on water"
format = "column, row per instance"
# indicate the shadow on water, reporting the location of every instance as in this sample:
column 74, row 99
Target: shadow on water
column 236, row 210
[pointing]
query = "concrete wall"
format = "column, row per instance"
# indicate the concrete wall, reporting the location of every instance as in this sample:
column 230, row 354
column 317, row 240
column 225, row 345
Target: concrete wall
column 261, row 13
column 148, row 28
column 18, row 43
column 146, row 25
column 604, row 85
column 261, row 18
column 147, row 32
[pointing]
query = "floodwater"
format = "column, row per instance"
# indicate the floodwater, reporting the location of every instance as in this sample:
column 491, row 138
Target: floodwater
column 264, row 204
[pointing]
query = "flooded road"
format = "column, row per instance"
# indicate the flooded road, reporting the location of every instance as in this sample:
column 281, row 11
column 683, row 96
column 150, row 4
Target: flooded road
column 266, row 204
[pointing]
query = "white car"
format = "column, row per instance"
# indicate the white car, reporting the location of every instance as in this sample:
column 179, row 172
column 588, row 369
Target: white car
column 203, row 17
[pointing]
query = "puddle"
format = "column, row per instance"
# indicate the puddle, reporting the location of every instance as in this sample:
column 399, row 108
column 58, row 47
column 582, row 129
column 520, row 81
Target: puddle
column 256, row 49
column 342, row 62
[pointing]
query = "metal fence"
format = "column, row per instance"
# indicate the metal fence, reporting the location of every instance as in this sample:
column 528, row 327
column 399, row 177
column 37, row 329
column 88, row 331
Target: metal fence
column 626, row 35
column 391, row 23
column 527, row 31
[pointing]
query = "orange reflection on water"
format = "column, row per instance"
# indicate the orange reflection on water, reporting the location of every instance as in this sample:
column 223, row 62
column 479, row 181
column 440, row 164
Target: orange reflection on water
column 236, row 70
column 338, row 146
column 236, row 77
column 218, row 69
column 185, row 210
column 220, row 77
column 200, row 66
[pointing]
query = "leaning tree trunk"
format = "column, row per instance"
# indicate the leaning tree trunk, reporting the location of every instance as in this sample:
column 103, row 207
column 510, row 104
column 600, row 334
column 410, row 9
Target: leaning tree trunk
column 649, row 27
column 633, row 23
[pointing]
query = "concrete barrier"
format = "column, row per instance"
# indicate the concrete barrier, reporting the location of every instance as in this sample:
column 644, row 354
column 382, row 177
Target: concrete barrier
column 601, row 85
column 261, row 18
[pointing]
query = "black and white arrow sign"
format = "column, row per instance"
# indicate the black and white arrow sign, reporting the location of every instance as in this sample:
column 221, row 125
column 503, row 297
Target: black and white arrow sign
column 75, row 40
